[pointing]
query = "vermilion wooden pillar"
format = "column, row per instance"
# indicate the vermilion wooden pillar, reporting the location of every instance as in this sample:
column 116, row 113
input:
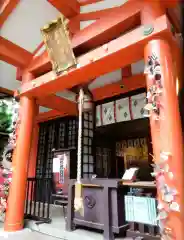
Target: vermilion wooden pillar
column 33, row 152
column 167, row 133
column 15, row 213
column 151, row 10
column 34, row 146
column 170, row 138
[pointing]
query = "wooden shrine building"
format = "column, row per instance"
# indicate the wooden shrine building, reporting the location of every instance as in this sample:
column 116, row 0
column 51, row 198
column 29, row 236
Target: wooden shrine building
column 118, row 37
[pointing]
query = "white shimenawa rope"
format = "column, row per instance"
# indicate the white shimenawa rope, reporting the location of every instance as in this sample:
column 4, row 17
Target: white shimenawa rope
column 79, row 156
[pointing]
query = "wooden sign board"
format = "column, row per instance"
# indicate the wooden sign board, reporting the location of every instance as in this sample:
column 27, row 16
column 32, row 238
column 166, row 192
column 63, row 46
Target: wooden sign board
column 58, row 45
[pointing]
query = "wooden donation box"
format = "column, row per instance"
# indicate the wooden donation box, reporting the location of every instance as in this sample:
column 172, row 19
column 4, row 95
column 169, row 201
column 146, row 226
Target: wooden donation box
column 103, row 201
column 64, row 168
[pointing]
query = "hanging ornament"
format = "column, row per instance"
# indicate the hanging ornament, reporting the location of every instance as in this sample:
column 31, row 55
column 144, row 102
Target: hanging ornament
column 164, row 156
column 157, row 170
column 161, row 226
column 162, row 215
column 166, row 153
column 147, row 115
column 166, row 237
column 167, row 201
column 157, row 72
column 170, row 175
column 160, row 206
column 168, row 234
column 166, row 168
column 149, row 96
column 153, row 69
column 168, row 198
column 174, row 206
column 149, row 107
column 161, row 182
column 173, row 191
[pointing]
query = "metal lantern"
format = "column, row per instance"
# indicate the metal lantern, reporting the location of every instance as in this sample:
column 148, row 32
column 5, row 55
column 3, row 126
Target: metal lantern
column 87, row 101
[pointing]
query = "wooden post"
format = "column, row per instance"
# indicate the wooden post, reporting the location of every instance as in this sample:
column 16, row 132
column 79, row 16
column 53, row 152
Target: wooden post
column 150, row 11
column 34, row 146
column 108, row 232
column 167, row 133
column 15, row 213
column 70, row 208
column 170, row 138
column 33, row 153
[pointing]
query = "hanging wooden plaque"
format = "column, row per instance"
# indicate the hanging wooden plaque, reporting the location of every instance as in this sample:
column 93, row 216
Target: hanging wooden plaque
column 58, row 45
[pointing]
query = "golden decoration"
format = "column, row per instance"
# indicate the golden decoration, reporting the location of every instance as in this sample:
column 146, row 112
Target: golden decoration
column 58, row 44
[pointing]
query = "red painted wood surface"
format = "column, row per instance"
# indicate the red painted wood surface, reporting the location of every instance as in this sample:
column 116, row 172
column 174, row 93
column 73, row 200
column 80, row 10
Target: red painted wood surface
column 6, row 8
column 99, row 61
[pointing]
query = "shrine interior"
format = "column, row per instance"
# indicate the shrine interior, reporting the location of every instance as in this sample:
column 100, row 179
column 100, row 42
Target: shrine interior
column 110, row 141
column 110, row 161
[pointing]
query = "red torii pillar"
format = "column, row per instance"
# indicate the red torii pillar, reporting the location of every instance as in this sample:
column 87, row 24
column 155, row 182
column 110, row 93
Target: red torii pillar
column 33, row 153
column 34, row 146
column 15, row 213
column 167, row 133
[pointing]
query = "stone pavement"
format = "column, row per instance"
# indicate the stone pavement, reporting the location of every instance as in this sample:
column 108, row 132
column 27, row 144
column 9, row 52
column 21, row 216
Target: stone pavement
column 57, row 228
column 26, row 234
column 54, row 231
